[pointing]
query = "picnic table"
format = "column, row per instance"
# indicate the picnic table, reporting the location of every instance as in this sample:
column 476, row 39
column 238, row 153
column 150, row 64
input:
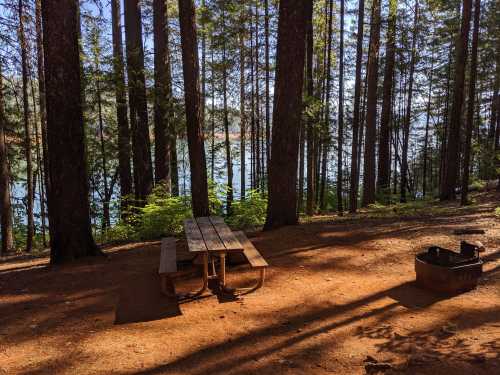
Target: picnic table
column 211, row 238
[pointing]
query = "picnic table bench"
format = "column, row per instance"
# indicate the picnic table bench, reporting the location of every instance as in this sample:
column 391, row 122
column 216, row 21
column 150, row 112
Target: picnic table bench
column 211, row 238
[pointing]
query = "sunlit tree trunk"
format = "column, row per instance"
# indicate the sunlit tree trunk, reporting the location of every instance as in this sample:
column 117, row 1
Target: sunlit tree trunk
column 124, row 148
column 341, row 111
column 30, row 228
column 353, row 193
column 243, row 116
column 267, row 69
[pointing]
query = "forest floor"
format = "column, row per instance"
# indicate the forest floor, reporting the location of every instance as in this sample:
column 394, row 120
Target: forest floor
column 338, row 290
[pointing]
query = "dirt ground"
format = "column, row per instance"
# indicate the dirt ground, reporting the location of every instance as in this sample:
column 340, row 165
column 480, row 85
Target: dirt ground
column 337, row 291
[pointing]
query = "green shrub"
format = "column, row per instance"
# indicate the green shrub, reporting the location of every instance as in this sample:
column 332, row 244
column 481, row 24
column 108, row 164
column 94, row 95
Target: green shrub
column 162, row 215
column 497, row 212
column 477, row 185
column 250, row 212
column 216, row 192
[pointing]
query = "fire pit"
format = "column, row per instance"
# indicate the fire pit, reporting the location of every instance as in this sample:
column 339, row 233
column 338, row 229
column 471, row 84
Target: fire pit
column 447, row 271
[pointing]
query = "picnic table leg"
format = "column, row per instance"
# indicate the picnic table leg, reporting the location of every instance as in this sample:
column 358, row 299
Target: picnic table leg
column 204, row 288
column 205, row 272
column 222, row 270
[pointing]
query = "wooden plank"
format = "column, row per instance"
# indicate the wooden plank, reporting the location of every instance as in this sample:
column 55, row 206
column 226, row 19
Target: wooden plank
column 210, row 236
column 254, row 258
column 194, row 236
column 226, row 234
column 168, row 261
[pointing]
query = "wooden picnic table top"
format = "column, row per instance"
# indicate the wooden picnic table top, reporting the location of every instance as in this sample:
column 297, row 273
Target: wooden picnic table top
column 210, row 234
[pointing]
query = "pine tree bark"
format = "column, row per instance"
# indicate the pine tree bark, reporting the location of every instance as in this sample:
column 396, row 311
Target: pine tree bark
column 227, row 143
column 450, row 174
column 190, row 67
column 124, row 148
column 341, row 111
column 5, row 203
column 41, row 94
column 69, row 208
column 163, row 100
column 470, row 105
column 258, row 133
column 353, row 193
column 39, row 163
column 371, row 104
column 384, row 157
column 30, row 228
column 141, row 146
column 266, row 57
column 243, row 115
column 106, row 218
column 282, row 207
column 310, row 133
column 407, row 123
column 427, row 123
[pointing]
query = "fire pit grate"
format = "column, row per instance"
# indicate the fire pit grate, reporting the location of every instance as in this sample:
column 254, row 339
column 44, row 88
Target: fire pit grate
column 447, row 271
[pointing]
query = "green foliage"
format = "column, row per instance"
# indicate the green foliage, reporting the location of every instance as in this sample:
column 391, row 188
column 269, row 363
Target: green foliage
column 216, row 192
column 162, row 216
column 250, row 212
column 477, row 185
column 497, row 212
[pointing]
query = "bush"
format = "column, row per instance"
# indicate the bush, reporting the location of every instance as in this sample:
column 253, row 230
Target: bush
column 163, row 215
column 497, row 212
column 250, row 212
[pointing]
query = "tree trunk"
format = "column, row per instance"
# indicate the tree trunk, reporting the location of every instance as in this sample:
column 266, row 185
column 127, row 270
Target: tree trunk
column 40, row 172
column 311, row 162
column 106, row 221
column 69, row 208
column 406, row 128
column 41, row 96
column 341, row 111
column 5, row 204
column 227, row 143
column 453, row 135
column 243, row 116
column 268, row 111
column 203, row 64
column 427, row 123
column 30, row 229
column 282, row 207
column 353, row 193
column 163, row 100
column 258, row 135
column 141, row 147
column 121, row 107
column 189, row 45
column 470, row 108
column 384, row 156
column 371, row 114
